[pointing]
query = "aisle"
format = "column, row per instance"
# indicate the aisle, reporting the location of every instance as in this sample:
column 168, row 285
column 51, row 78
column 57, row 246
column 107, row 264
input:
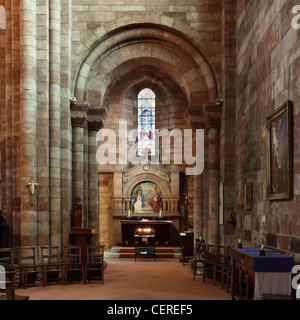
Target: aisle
column 129, row 280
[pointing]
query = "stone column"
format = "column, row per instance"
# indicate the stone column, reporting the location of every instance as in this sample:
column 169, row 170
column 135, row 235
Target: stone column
column 28, row 116
column 93, row 203
column 196, row 121
column 79, row 122
column 7, row 126
column 212, row 123
column 55, row 124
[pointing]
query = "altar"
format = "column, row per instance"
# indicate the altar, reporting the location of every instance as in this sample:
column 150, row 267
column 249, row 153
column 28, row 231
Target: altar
column 161, row 230
column 146, row 195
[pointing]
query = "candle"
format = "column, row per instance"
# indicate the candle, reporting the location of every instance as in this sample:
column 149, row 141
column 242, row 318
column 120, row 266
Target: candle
column 240, row 244
column 262, row 248
column 160, row 213
column 129, row 213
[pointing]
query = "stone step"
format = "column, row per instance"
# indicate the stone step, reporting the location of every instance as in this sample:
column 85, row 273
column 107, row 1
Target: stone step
column 157, row 249
column 157, row 255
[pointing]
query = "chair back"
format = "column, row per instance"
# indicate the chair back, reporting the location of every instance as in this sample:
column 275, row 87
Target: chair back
column 211, row 252
column 95, row 253
column 223, row 254
column 50, row 254
column 72, row 254
column 26, row 255
column 6, row 257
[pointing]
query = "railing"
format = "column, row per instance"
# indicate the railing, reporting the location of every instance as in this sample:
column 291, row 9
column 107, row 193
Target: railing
column 169, row 204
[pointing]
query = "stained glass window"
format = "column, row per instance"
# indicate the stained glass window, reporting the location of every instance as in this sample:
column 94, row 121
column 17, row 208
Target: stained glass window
column 146, row 122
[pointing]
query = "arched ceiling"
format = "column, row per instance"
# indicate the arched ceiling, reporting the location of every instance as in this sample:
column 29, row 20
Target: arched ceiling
column 126, row 56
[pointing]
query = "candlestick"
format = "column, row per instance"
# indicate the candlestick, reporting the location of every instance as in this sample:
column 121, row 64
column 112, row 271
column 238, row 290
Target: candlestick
column 240, row 245
column 262, row 251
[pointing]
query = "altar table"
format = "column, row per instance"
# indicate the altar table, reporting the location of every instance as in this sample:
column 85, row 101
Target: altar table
column 162, row 231
column 270, row 274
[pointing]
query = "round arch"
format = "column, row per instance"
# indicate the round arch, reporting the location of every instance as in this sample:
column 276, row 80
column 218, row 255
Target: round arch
column 106, row 50
column 166, row 192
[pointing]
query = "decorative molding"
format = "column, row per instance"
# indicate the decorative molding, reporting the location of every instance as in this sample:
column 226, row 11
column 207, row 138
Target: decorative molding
column 95, row 125
column 79, row 122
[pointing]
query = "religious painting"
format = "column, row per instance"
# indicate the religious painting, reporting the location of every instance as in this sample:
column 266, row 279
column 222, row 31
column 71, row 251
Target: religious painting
column 279, row 153
column 248, row 189
column 146, row 197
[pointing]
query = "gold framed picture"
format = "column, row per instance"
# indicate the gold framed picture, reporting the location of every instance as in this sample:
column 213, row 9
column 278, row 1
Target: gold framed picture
column 248, row 194
column 279, row 153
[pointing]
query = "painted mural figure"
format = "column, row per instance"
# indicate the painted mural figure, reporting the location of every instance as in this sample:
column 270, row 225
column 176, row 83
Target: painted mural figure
column 138, row 204
column 155, row 203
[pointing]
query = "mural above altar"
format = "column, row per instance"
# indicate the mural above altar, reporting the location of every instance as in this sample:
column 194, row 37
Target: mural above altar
column 146, row 190
column 146, row 197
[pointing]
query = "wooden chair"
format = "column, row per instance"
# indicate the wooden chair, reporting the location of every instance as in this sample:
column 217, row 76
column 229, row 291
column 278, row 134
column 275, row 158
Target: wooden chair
column 211, row 259
column 74, row 267
column 227, row 273
column 27, row 265
column 223, row 260
column 94, row 266
column 52, row 268
column 9, row 284
column 7, row 258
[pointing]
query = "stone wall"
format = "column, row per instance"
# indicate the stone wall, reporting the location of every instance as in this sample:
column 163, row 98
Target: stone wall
column 102, row 53
column 268, row 62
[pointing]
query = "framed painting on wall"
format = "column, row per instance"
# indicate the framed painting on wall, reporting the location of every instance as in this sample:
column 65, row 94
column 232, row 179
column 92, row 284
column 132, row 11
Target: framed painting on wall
column 248, row 190
column 279, row 153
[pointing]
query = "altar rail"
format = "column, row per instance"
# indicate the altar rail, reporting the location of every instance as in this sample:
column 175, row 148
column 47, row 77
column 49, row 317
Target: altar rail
column 169, row 204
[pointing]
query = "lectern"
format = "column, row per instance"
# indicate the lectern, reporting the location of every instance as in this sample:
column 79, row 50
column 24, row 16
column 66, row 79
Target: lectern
column 82, row 237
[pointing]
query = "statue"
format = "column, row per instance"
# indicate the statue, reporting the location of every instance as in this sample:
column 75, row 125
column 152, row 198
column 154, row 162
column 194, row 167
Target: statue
column 77, row 213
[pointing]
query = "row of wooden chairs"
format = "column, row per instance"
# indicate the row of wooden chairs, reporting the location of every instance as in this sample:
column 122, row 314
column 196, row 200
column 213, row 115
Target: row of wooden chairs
column 216, row 264
column 52, row 268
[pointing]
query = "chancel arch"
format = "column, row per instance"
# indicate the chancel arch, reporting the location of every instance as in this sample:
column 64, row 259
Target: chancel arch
column 101, row 59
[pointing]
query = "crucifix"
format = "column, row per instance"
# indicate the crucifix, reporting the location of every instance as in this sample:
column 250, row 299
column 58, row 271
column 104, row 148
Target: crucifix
column 32, row 186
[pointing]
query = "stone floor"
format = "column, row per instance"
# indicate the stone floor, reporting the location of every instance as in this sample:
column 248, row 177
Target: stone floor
column 130, row 280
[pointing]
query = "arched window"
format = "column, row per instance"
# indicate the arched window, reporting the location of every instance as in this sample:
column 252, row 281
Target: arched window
column 146, row 122
column 2, row 18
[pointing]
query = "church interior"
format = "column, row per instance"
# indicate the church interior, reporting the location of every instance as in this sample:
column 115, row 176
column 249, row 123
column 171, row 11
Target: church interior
column 156, row 131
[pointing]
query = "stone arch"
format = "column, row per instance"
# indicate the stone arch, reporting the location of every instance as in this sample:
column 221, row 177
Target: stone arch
column 166, row 192
column 107, row 42
column 114, row 76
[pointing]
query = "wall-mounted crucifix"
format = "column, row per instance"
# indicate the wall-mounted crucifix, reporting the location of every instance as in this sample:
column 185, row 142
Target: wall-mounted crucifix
column 31, row 184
